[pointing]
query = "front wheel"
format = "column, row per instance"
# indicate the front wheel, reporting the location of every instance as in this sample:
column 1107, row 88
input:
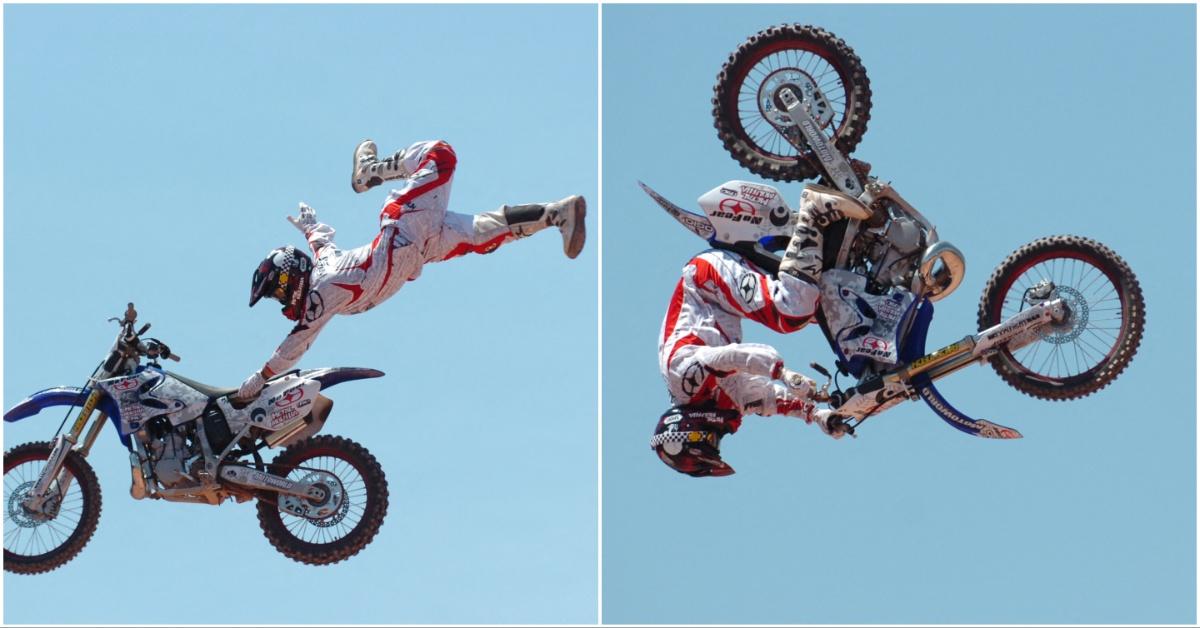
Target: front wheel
column 37, row 542
column 1102, row 333
column 349, row 513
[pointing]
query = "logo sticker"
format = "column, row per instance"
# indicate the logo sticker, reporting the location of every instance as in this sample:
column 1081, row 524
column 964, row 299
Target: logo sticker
column 290, row 397
column 693, row 376
column 747, row 287
column 779, row 216
column 315, row 306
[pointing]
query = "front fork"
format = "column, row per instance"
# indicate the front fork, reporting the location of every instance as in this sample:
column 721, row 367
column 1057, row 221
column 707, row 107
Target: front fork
column 39, row 497
column 880, row 393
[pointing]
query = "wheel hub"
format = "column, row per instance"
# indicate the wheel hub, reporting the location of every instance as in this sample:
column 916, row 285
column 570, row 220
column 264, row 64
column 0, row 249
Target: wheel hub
column 771, row 106
column 327, row 500
column 24, row 517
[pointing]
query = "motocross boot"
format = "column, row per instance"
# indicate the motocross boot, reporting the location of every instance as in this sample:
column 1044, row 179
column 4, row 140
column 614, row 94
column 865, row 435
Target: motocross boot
column 370, row 171
column 567, row 214
column 819, row 207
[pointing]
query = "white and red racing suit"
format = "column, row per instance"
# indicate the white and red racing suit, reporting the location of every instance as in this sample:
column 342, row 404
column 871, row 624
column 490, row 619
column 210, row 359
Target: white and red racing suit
column 415, row 229
column 701, row 354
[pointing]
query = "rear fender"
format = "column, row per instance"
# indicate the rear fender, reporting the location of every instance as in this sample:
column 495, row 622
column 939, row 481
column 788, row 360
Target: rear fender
column 333, row 376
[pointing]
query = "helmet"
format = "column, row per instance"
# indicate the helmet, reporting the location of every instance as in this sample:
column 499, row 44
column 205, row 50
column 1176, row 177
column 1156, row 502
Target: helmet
column 688, row 439
column 283, row 276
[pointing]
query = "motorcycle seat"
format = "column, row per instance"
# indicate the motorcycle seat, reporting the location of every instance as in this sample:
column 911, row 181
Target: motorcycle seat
column 212, row 392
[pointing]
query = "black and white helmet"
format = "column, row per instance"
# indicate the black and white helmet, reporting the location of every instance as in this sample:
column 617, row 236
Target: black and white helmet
column 283, row 276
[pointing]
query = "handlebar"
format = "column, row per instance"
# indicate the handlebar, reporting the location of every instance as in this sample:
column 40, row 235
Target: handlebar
column 129, row 344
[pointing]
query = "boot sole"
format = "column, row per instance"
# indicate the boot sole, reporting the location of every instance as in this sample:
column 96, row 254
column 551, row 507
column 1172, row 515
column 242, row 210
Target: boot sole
column 579, row 233
column 354, row 170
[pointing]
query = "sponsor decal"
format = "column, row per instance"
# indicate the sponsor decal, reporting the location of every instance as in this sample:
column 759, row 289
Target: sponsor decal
column 280, row 417
column 1013, row 328
column 878, row 344
column 125, row 384
column 780, row 216
column 728, row 192
column 822, row 147
column 315, row 307
column 289, row 397
column 672, row 419
column 257, row 415
column 735, row 206
column 737, row 211
column 890, row 308
column 747, row 287
column 270, row 480
column 757, row 193
column 945, row 411
column 948, row 349
column 693, row 376
column 991, row 430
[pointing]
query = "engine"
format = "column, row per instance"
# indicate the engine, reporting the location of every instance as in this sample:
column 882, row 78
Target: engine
column 890, row 255
column 173, row 452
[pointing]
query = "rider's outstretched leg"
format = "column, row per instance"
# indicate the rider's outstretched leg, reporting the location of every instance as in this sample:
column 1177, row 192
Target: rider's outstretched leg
column 483, row 233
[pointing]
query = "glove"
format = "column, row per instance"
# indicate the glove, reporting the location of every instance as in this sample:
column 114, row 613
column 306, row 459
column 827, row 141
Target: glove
column 307, row 220
column 803, row 386
column 834, row 428
column 251, row 387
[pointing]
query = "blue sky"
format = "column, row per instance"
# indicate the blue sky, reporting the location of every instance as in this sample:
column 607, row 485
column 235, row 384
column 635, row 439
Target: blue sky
column 151, row 155
column 1002, row 124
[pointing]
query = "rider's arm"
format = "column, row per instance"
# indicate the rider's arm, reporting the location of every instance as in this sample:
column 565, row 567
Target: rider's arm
column 320, row 238
column 323, row 303
column 318, row 234
column 785, row 305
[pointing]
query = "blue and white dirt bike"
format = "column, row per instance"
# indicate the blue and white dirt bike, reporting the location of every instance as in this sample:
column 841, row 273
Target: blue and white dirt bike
column 1060, row 318
column 321, row 500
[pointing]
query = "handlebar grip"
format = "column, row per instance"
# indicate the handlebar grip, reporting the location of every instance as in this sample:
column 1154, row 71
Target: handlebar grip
column 145, row 328
column 172, row 356
column 838, row 424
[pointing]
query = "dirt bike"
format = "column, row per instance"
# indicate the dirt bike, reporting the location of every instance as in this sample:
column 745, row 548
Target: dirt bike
column 1059, row 319
column 321, row 500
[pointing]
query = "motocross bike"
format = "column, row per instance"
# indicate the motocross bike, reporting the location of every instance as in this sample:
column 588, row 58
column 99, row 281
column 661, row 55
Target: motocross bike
column 1059, row 319
column 321, row 500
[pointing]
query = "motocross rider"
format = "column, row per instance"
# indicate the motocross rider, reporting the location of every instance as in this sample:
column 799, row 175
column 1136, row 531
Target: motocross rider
column 415, row 229
column 709, row 370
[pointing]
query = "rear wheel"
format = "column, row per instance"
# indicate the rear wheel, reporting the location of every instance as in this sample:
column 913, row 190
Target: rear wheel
column 1102, row 333
column 750, row 120
column 347, row 515
column 37, row 542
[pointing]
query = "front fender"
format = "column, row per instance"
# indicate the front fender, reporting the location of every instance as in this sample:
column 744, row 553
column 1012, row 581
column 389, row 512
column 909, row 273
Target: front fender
column 62, row 396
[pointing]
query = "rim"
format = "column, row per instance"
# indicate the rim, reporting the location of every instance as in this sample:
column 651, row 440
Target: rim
column 798, row 61
column 28, row 535
column 340, row 476
column 1098, row 322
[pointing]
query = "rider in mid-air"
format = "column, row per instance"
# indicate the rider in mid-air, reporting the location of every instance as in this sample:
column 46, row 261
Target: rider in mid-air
column 415, row 229
column 701, row 355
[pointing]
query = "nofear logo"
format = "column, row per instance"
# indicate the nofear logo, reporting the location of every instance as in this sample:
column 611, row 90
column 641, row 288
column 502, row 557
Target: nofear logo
column 747, row 288
column 693, row 376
